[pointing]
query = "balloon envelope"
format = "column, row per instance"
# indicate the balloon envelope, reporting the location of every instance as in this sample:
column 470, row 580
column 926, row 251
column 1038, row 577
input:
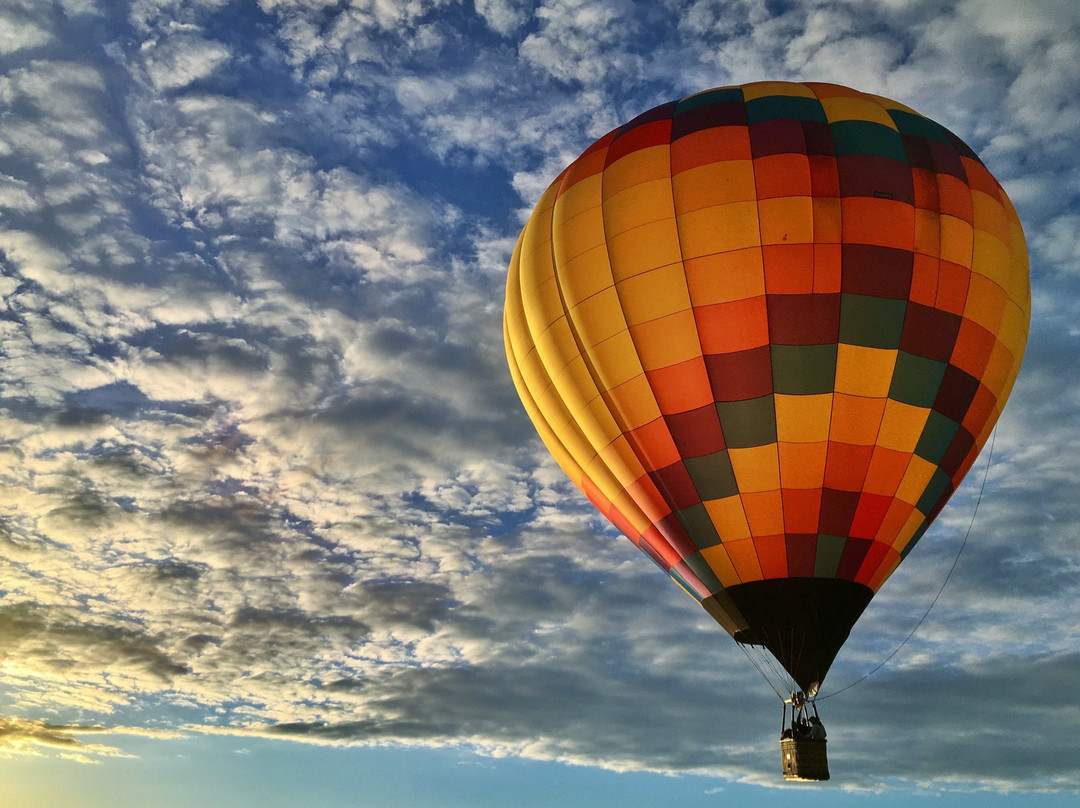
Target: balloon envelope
column 766, row 330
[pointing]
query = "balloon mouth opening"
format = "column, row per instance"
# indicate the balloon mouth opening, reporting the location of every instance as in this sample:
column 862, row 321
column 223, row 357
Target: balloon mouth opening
column 802, row 622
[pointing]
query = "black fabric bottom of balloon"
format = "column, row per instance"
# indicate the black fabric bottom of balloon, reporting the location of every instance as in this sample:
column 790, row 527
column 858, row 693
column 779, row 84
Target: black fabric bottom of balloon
column 801, row 621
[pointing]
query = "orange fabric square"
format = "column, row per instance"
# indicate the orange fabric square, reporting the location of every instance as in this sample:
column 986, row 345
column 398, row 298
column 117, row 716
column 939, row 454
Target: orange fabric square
column 895, row 519
column 828, row 221
column 846, row 466
column 681, row 387
column 723, row 277
column 824, row 176
column 712, row 145
column 653, row 444
column 998, row 368
column 648, row 499
column 764, row 512
column 981, row 406
column 925, row 186
column 978, row 177
column 786, row 220
column 886, row 470
column 802, row 508
column 667, row 340
column 802, row 465
column 735, row 326
column 772, row 555
column 924, row 279
column 886, row 568
column 743, row 556
column 789, row 268
column 952, row 291
column 655, row 539
column 828, row 265
column 973, row 347
column 985, row 302
column 782, row 175
column 927, row 233
column 856, row 419
column 872, row 562
column 954, row 196
column 884, row 222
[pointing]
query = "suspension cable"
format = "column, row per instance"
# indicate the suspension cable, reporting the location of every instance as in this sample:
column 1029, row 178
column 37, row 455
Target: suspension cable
column 967, row 533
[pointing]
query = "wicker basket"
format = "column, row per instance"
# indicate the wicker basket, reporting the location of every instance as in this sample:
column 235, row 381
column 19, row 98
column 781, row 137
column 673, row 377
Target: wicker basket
column 804, row 759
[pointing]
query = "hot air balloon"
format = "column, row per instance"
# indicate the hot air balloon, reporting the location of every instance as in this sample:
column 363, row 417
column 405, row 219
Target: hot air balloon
column 766, row 329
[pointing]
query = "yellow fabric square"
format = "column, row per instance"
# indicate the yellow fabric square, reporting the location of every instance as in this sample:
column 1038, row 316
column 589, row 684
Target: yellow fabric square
column 647, row 247
column 726, row 277
column 901, row 426
column 643, row 165
column 637, row 205
column 633, row 403
column 849, row 108
column 585, row 275
column 990, row 257
column 653, row 294
column 786, row 220
column 915, row 480
column 728, row 518
column 855, row 419
column 620, row 458
column 719, row 562
column 718, row 229
column 598, row 317
column 907, row 532
column 615, row 360
column 714, row 184
column 803, row 419
column 597, row 423
column 956, row 240
column 862, row 371
column 756, row 468
column 556, row 344
column 583, row 194
column 667, row 341
column 990, row 215
column 760, row 89
column 577, row 234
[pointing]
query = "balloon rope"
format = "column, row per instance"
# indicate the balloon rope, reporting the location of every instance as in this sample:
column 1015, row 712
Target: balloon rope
column 971, row 524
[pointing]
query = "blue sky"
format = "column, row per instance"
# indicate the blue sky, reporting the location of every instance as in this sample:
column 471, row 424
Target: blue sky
column 272, row 520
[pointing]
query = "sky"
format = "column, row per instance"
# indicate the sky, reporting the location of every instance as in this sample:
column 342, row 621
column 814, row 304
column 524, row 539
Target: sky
column 274, row 527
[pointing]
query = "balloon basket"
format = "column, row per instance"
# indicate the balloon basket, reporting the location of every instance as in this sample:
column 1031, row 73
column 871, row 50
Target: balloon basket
column 804, row 759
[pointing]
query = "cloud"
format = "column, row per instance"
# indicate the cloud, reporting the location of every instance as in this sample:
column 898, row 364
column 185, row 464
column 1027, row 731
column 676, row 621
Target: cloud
column 260, row 456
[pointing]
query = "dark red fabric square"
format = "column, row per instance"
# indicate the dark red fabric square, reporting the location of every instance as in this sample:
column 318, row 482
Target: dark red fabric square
column 675, row 486
column 838, row 510
column 877, row 271
column 930, row 333
column 740, row 375
column 852, row 558
column 812, row 319
column 727, row 113
column 801, row 550
column 697, row 432
column 956, row 393
column 780, row 136
column 873, row 175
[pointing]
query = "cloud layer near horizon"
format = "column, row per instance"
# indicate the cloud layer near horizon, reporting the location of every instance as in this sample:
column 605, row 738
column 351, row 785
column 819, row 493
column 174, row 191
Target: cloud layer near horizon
column 261, row 466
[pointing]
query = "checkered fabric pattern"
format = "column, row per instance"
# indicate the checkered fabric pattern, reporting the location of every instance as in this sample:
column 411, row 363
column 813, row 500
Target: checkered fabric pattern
column 766, row 329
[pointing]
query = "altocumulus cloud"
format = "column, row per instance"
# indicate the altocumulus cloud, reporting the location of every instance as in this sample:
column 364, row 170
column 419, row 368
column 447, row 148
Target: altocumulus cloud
column 260, row 459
